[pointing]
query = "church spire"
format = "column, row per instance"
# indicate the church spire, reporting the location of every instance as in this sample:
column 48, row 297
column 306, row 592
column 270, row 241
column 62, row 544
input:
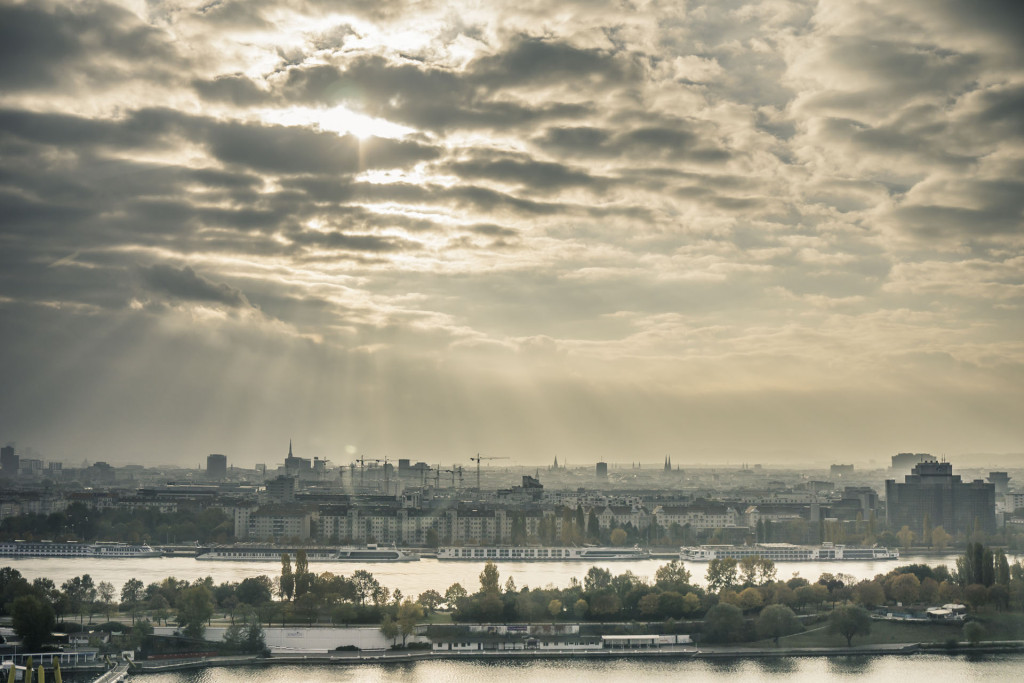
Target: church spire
column 289, row 448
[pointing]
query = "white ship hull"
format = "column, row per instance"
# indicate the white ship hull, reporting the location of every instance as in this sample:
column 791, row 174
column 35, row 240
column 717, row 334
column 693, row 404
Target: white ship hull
column 367, row 554
column 86, row 550
column 533, row 554
column 785, row 552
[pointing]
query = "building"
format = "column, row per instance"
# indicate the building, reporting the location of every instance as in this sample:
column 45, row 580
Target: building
column 1001, row 480
column 9, row 462
column 932, row 490
column 839, row 471
column 281, row 490
column 601, row 470
column 216, row 466
column 905, row 461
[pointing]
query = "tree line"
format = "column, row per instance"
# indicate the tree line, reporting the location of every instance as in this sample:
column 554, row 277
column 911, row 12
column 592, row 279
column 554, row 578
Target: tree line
column 737, row 597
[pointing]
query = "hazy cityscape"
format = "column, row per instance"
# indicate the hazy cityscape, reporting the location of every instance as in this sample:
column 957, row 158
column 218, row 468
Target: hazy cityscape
column 446, row 340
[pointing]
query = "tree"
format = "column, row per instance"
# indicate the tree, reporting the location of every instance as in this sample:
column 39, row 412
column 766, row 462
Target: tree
column 649, row 605
column 454, row 593
column 849, row 621
column 777, row 621
column 365, row 585
column 389, row 628
column 254, row 590
column 430, row 599
column 906, row 537
column 303, row 577
column 904, row 588
column 940, row 539
column 724, row 624
column 672, row 576
column 593, row 525
column 490, row 582
column 409, row 613
column 33, row 620
column 870, row 594
column 973, row 632
column 79, row 590
column 105, row 590
column 596, row 579
column 195, row 607
column 721, row 574
column 287, row 577
column 750, row 599
column 580, row 608
column 618, row 537
column 555, row 608
column 131, row 595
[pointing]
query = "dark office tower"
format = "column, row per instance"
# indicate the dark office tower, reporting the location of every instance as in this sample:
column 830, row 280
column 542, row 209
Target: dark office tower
column 216, row 466
column 933, row 490
column 602, row 470
column 8, row 462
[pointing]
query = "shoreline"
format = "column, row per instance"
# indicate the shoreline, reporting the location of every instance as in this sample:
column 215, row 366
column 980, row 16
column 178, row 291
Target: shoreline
column 668, row 653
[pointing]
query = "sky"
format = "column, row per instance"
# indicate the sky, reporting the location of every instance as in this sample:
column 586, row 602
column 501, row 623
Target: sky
column 767, row 231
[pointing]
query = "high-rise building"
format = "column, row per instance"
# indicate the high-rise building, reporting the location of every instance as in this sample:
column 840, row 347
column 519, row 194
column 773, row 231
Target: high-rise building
column 932, row 490
column 602, row 470
column 9, row 461
column 216, row 466
column 1001, row 480
column 905, row 461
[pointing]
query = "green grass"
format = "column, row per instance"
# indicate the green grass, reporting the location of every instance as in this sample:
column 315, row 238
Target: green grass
column 882, row 632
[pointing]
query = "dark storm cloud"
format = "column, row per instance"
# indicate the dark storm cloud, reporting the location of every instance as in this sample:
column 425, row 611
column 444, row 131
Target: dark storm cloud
column 676, row 141
column 233, row 88
column 38, row 44
column 282, row 149
column 539, row 176
column 184, row 283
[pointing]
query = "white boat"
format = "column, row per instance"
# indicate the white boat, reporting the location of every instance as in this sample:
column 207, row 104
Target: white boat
column 368, row 553
column 242, row 553
column 787, row 552
column 72, row 549
column 532, row 554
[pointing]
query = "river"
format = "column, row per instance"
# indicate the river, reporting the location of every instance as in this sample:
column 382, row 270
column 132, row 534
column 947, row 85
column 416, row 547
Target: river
column 412, row 578
column 906, row 669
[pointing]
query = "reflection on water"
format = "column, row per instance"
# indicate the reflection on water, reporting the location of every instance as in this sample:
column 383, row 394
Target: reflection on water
column 904, row 669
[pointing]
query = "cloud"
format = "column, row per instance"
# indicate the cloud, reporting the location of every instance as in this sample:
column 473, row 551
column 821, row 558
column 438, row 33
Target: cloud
column 550, row 219
column 183, row 283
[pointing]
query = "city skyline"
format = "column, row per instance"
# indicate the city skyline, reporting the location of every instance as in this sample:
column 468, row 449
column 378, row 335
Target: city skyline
column 764, row 232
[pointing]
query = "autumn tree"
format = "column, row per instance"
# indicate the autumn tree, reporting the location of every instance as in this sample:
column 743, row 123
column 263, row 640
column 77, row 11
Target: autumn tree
column 409, row 614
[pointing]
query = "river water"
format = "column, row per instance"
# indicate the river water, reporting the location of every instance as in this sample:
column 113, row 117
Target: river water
column 905, row 669
column 412, row 578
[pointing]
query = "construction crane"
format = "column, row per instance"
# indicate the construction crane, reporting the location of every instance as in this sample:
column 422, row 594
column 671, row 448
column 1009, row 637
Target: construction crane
column 477, row 460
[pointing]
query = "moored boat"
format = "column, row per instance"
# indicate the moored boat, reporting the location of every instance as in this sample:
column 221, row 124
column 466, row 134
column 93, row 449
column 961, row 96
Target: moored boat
column 787, row 552
column 533, row 553
column 103, row 549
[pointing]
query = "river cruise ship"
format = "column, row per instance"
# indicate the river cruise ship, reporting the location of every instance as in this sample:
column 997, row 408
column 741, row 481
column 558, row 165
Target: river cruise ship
column 72, row 549
column 787, row 552
column 531, row 554
column 369, row 553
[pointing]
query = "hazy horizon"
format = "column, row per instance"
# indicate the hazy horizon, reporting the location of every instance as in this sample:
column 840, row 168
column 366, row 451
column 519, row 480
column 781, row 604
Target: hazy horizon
column 766, row 231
